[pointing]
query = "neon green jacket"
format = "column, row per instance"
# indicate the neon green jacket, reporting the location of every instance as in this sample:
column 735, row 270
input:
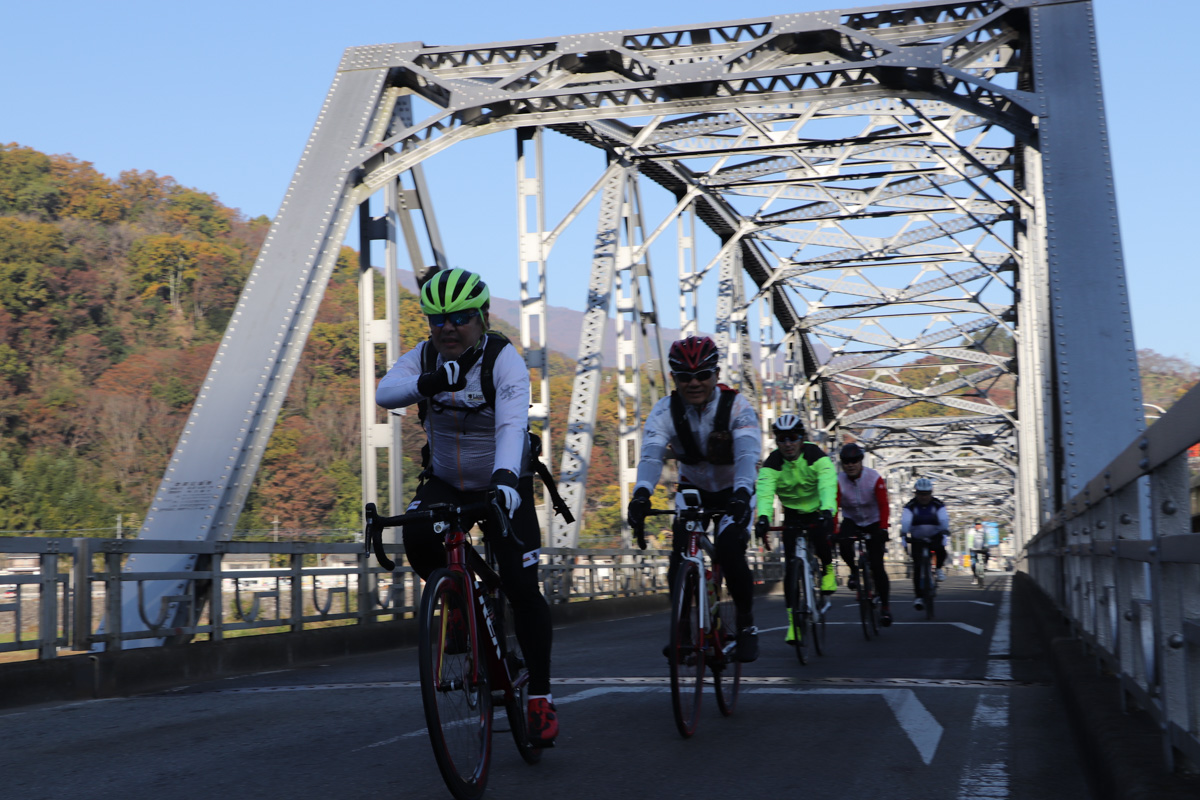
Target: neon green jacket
column 807, row 484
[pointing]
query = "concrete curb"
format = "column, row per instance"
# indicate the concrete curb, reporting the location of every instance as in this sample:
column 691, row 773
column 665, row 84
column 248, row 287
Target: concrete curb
column 1123, row 750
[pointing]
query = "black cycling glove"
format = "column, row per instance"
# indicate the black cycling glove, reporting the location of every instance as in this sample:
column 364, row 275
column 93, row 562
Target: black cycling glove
column 639, row 507
column 760, row 528
column 739, row 508
column 450, row 376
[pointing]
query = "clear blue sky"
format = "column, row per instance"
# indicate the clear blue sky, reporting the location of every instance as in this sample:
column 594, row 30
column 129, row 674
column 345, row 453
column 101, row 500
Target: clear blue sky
column 221, row 95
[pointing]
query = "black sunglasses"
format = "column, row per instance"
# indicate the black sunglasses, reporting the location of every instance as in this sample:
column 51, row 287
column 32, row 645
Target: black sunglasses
column 459, row 318
column 787, row 437
column 688, row 377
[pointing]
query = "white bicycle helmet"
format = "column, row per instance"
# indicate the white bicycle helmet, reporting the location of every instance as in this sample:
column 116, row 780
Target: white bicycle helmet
column 788, row 423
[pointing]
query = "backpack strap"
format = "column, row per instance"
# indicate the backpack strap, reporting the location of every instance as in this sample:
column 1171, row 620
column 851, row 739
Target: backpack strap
column 496, row 342
column 683, row 429
column 724, row 409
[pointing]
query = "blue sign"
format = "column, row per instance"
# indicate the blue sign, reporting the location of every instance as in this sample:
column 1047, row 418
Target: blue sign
column 992, row 529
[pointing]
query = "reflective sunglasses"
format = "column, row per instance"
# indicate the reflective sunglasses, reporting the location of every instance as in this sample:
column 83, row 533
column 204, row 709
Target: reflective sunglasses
column 787, row 437
column 688, row 377
column 458, row 318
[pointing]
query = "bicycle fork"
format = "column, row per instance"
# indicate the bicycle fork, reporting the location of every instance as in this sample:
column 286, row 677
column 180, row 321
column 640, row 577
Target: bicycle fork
column 703, row 603
column 802, row 562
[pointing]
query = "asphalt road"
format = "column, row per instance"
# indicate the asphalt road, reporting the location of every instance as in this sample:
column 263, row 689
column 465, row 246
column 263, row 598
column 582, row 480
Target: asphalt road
column 960, row 707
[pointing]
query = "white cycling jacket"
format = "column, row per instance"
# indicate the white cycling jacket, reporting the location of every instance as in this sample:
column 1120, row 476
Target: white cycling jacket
column 660, row 432
column 466, row 447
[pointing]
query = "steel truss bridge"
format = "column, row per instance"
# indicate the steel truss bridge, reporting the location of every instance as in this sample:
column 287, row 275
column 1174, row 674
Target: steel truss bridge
column 899, row 221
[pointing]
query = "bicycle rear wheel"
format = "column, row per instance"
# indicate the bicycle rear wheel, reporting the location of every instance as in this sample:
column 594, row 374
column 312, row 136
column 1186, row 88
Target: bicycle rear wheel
column 514, row 708
column 930, row 586
column 819, row 613
column 726, row 669
column 687, row 649
column 454, row 687
column 801, row 612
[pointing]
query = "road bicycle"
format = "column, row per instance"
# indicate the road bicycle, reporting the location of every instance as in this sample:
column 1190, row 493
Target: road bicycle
column 868, row 602
column 470, row 659
column 978, row 566
column 803, row 596
column 926, row 583
column 703, row 622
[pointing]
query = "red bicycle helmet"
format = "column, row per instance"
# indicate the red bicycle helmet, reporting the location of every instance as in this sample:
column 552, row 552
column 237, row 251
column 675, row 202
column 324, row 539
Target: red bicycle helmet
column 693, row 354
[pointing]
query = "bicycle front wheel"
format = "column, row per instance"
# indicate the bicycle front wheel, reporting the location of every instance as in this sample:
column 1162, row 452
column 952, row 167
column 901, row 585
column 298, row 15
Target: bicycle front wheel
column 514, row 707
column 687, row 649
column 801, row 610
column 727, row 670
column 866, row 600
column 454, row 687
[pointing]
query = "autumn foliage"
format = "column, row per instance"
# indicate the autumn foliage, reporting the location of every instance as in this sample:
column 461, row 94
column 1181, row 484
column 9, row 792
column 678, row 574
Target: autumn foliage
column 113, row 298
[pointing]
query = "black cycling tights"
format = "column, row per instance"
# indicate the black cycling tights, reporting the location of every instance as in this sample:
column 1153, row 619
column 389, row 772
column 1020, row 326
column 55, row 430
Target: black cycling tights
column 876, row 545
column 809, row 525
column 730, row 553
column 426, row 552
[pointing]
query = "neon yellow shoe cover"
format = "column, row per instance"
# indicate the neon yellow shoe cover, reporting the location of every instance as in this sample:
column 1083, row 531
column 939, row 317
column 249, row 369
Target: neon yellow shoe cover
column 829, row 581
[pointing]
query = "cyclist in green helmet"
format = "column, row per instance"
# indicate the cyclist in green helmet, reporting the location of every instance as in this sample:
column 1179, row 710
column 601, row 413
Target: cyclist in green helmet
column 478, row 441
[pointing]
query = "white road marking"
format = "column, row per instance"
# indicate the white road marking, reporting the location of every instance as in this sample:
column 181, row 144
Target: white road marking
column 1000, row 648
column 961, row 625
column 941, row 603
column 922, row 729
column 985, row 773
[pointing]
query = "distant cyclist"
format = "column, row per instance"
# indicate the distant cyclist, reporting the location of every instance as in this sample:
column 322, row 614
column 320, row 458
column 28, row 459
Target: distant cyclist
column 804, row 479
column 713, row 432
column 477, row 445
column 925, row 517
column 863, row 501
column 977, row 541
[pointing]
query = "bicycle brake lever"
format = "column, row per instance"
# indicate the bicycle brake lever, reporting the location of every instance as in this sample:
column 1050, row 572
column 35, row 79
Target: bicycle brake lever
column 498, row 511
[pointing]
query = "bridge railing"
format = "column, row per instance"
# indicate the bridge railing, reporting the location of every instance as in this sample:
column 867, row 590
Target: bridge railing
column 67, row 587
column 1122, row 561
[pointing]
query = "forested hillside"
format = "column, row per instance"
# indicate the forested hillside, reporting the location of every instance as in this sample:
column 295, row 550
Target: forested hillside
column 113, row 297
column 114, row 294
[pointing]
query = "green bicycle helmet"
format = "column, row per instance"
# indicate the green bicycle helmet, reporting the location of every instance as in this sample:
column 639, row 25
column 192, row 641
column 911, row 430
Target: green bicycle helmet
column 453, row 290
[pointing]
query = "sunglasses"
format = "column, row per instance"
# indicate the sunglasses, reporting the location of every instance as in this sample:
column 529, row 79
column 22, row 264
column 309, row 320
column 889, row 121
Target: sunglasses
column 786, row 437
column 851, row 460
column 688, row 377
column 457, row 318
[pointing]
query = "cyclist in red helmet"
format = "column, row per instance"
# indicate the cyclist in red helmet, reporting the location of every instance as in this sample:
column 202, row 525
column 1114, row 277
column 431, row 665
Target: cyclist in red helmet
column 713, row 432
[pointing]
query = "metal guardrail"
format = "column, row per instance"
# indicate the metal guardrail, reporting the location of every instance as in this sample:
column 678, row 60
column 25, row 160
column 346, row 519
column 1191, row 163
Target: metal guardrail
column 1122, row 563
column 312, row 584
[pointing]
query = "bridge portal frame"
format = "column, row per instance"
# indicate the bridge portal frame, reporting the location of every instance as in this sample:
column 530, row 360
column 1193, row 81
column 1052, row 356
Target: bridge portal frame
column 689, row 81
